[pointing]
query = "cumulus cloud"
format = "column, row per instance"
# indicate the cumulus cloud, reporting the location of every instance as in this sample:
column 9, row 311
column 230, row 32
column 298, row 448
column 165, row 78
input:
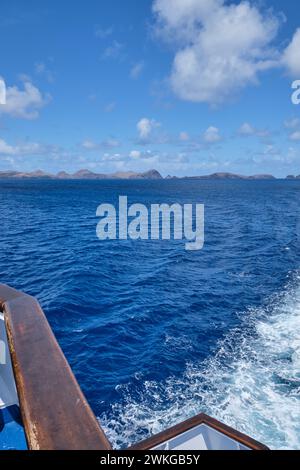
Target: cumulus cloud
column 135, row 154
column 148, row 154
column 293, row 126
column 145, row 127
column 292, row 123
column 271, row 154
column 134, row 158
column 2, row 91
column 295, row 136
column 291, row 56
column 110, row 143
column 24, row 104
column 247, row 130
column 26, row 148
column 221, row 47
column 89, row 145
column 6, row 149
column 212, row 135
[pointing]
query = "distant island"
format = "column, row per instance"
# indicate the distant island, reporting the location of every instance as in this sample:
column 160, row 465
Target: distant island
column 82, row 175
column 131, row 175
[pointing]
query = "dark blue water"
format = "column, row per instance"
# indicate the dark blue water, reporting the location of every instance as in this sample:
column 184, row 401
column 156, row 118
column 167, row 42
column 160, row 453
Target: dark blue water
column 155, row 333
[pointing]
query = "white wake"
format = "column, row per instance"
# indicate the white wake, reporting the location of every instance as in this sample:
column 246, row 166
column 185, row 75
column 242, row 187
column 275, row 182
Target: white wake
column 252, row 383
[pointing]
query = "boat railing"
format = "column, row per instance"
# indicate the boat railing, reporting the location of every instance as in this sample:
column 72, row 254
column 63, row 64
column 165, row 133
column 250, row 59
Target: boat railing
column 55, row 413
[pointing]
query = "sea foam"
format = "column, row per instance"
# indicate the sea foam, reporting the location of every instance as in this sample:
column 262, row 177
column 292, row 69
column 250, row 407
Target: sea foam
column 252, row 382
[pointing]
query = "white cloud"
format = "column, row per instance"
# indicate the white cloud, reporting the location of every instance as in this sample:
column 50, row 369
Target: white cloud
column 221, row 48
column 292, row 123
column 108, row 143
column 26, row 148
column 116, row 157
column 136, row 70
column 293, row 126
column 89, row 145
column 135, row 154
column 271, row 150
column 6, row 149
column 24, row 104
column 2, row 91
column 179, row 18
column 292, row 155
column 272, row 154
column 246, row 129
column 212, row 135
column 291, row 56
column 145, row 127
column 142, row 156
column 295, row 135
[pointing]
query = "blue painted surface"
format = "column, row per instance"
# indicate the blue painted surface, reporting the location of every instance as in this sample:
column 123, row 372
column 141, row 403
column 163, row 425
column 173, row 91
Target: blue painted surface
column 156, row 334
column 12, row 436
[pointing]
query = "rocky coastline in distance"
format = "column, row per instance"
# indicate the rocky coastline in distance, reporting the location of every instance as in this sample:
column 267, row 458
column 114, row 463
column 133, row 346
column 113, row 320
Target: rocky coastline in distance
column 131, row 175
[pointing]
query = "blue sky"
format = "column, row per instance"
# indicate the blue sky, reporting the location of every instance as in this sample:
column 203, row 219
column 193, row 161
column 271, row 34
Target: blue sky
column 184, row 86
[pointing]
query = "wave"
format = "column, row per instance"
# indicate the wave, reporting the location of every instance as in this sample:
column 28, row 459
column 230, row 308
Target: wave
column 252, row 382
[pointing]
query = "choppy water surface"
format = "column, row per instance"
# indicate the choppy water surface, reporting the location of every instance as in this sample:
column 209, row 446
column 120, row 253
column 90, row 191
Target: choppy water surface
column 154, row 333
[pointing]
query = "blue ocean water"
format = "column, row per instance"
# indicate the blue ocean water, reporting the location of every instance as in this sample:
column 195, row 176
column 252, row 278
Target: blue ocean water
column 154, row 333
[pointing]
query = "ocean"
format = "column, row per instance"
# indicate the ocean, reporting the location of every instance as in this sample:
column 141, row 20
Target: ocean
column 154, row 333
